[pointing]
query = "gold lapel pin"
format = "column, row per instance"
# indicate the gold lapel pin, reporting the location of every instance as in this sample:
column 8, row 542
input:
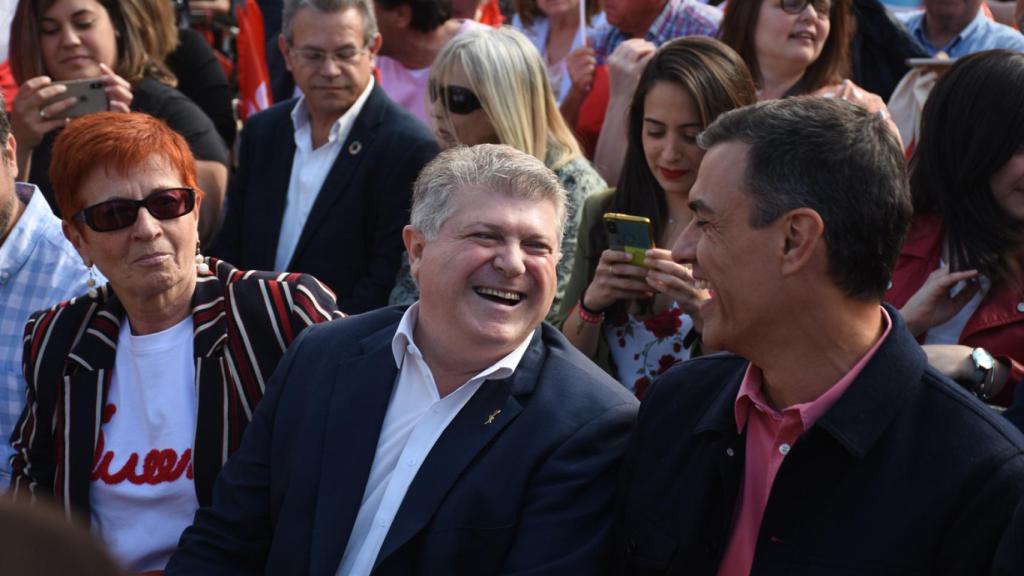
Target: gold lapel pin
column 490, row 419
column 355, row 148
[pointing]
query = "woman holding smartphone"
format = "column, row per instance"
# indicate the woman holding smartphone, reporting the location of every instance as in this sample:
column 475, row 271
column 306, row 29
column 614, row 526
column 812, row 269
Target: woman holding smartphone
column 55, row 41
column 637, row 321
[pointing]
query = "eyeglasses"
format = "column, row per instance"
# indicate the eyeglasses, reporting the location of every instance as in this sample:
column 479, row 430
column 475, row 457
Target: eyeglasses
column 457, row 100
column 122, row 213
column 315, row 57
column 822, row 7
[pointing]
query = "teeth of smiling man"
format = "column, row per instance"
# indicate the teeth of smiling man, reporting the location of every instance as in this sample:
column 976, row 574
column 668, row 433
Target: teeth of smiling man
column 507, row 295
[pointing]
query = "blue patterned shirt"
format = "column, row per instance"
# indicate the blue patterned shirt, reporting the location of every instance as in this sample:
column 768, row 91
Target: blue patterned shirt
column 980, row 34
column 38, row 268
column 678, row 18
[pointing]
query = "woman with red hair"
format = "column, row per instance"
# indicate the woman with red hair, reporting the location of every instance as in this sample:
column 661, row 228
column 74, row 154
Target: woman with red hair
column 140, row 390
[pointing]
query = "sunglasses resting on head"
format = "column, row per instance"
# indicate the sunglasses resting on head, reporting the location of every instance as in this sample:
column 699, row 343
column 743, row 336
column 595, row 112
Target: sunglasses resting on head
column 121, row 213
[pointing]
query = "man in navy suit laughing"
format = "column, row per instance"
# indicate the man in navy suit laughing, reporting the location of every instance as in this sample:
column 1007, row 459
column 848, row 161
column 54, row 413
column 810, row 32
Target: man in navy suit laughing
column 458, row 436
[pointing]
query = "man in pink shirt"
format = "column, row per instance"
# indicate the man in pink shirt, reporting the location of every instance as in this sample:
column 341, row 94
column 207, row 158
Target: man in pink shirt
column 414, row 31
column 824, row 444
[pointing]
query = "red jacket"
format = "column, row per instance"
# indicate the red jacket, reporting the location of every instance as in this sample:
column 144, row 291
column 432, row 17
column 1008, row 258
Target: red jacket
column 998, row 323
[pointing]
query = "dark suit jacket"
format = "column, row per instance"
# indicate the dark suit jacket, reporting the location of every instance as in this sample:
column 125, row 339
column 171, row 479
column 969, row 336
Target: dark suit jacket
column 243, row 321
column 906, row 474
column 529, row 492
column 352, row 240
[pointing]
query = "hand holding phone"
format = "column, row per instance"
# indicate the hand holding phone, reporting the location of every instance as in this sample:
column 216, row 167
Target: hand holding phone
column 89, row 95
column 630, row 234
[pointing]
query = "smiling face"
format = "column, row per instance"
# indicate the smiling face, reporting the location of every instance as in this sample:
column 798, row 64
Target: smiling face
column 151, row 259
column 1007, row 185
column 736, row 262
column 785, row 40
column 76, row 36
column 488, row 279
column 453, row 129
column 671, row 126
column 330, row 88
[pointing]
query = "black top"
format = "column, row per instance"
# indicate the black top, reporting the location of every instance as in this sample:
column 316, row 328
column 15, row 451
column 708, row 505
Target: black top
column 201, row 78
column 158, row 100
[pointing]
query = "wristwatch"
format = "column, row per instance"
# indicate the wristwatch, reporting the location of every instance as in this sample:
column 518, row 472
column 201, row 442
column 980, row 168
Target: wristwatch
column 984, row 372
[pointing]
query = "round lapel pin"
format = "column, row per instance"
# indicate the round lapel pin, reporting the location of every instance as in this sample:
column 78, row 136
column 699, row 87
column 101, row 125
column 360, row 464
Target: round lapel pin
column 355, row 148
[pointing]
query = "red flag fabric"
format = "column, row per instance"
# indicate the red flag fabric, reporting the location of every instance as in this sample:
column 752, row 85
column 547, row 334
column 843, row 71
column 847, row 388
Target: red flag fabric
column 253, row 77
column 491, row 14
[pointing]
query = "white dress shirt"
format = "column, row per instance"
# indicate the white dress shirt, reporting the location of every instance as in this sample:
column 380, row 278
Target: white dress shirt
column 415, row 419
column 309, row 170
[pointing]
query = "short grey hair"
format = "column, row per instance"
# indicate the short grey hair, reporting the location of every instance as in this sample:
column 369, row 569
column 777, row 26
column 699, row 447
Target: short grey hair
column 489, row 166
column 365, row 7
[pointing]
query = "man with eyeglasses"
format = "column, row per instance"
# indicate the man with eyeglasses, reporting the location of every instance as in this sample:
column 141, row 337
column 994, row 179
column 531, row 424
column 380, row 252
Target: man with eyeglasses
column 38, row 268
column 959, row 28
column 324, row 180
column 414, row 32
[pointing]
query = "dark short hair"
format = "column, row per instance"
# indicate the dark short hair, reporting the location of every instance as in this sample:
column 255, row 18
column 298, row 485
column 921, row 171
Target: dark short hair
column 837, row 159
column 739, row 25
column 972, row 123
column 427, row 15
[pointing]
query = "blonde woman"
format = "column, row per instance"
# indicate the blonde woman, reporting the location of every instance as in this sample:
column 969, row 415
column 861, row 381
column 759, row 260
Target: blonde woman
column 492, row 87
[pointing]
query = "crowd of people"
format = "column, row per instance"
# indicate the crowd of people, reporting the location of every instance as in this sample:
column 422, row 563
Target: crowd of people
column 387, row 324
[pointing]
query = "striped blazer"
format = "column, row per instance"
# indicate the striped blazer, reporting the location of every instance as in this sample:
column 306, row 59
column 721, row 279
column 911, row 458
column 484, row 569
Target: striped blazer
column 243, row 323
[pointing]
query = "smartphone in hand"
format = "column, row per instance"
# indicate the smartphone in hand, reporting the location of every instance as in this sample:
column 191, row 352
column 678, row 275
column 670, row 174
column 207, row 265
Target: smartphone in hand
column 631, row 234
column 89, row 95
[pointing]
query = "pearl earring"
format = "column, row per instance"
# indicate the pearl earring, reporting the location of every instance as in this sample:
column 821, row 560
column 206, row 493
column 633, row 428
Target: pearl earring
column 91, row 283
column 201, row 266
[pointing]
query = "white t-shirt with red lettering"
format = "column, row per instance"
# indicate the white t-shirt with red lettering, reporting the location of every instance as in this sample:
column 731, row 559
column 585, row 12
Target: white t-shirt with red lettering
column 142, row 493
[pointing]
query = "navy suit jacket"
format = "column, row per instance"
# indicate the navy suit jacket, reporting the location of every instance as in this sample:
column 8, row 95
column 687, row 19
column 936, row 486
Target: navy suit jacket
column 529, row 491
column 906, row 474
column 352, row 240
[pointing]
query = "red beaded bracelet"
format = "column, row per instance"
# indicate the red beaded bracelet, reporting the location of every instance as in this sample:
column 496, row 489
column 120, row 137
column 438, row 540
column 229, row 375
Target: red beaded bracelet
column 588, row 316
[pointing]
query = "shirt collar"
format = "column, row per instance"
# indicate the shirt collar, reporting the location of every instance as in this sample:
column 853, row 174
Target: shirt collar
column 26, row 231
column 660, row 23
column 970, row 29
column 340, row 128
column 402, row 344
column 751, row 392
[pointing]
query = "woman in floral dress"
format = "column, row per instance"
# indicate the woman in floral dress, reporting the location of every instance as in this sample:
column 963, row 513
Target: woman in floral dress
column 638, row 321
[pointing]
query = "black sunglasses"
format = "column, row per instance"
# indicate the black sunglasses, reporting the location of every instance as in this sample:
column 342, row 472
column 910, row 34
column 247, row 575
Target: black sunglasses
column 822, row 7
column 120, row 213
column 457, row 100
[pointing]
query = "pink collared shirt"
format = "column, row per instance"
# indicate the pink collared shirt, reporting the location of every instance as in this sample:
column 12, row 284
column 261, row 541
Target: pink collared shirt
column 770, row 435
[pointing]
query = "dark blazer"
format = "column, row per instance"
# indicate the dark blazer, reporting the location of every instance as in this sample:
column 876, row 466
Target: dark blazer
column 243, row 322
column 352, row 240
column 527, row 491
column 906, row 474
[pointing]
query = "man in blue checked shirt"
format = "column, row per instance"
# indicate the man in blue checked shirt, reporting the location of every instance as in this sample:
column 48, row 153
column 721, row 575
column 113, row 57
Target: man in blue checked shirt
column 38, row 268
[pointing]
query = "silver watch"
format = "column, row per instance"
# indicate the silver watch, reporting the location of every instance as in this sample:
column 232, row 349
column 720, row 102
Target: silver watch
column 984, row 372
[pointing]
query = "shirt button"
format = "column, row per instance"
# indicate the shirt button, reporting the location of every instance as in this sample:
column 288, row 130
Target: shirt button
column 5, row 275
column 410, row 462
column 1020, row 306
column 889, row 285
column 730, row 451
column 783, row 449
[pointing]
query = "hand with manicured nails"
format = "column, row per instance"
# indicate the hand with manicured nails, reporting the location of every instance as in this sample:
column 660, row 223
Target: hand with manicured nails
column 675, row 280
column 615, row 278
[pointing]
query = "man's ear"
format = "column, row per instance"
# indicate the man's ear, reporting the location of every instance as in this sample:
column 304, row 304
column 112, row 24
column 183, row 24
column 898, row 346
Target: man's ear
column 804, row 233
column 415, row 242
column 11, row 155
column 282, row 45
